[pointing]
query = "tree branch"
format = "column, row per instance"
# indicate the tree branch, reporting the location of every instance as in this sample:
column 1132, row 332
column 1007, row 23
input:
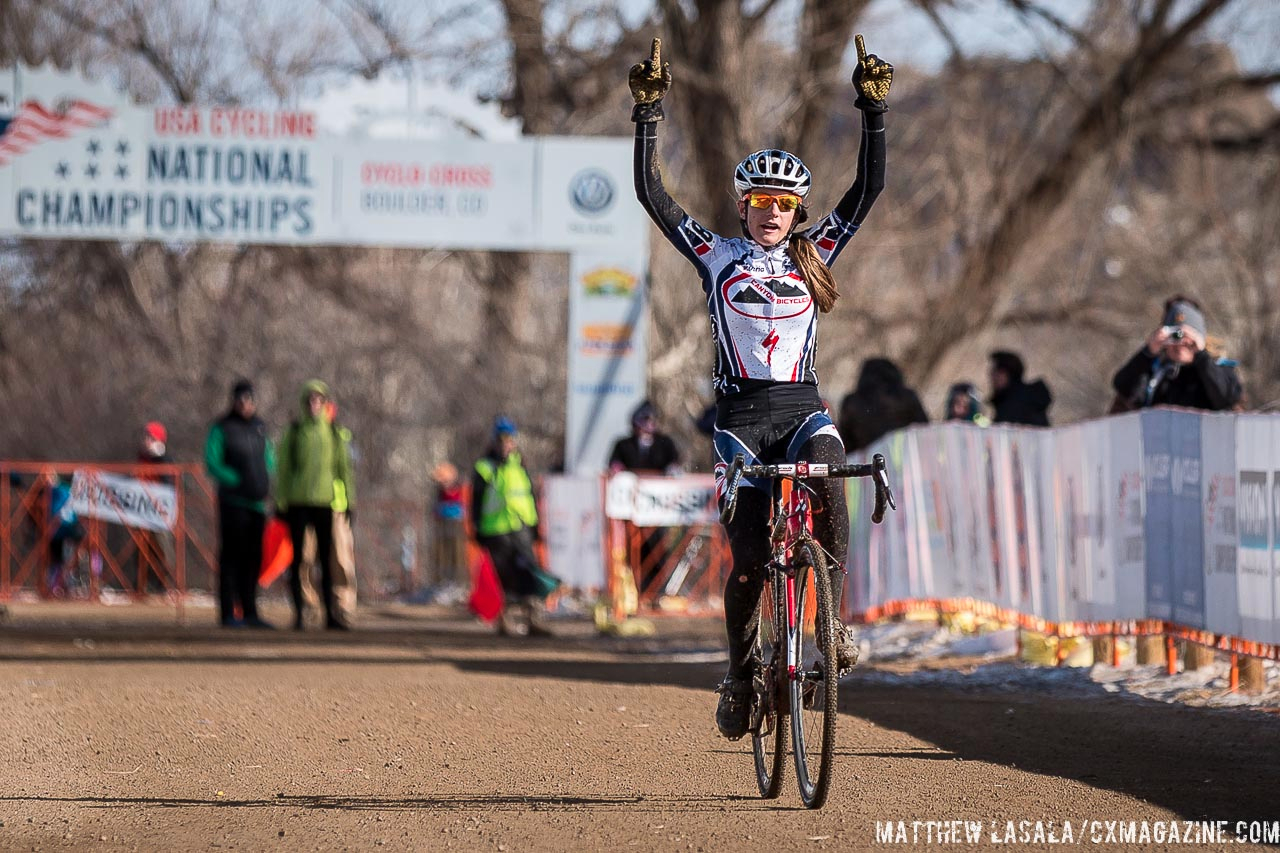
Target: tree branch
column 1029, row 10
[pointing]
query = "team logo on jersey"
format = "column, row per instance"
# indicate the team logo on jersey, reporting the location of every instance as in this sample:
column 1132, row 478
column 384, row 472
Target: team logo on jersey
column 766, row 297
column 592, row 192
column 769, row 343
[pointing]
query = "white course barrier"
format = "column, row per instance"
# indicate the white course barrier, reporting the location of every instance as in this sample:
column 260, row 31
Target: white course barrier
column 1163, row 515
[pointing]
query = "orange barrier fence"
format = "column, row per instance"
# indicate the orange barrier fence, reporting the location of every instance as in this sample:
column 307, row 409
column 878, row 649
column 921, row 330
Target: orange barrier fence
column 137, row 537
column 395, row 540
column 676, row 569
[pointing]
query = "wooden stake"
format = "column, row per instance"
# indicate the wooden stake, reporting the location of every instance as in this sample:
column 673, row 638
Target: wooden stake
column 1195, row 656
column 1253, row 677
column 1150, row 649
column 1104, row 649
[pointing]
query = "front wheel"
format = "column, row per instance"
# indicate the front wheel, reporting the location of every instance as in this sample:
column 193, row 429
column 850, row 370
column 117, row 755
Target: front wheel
column 768, row 723
column 814, row 678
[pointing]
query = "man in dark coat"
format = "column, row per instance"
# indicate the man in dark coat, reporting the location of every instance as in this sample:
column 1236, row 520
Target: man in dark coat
column 239, row 457
column 646, row 450
column 1016, row 401
column 1173, row 368
column 879, row 404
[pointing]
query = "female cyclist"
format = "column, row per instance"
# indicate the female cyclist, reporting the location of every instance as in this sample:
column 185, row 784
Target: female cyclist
column 764, row 291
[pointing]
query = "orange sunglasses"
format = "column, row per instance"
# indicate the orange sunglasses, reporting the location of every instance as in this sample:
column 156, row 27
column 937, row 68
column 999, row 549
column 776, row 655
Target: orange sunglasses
column 763, row 201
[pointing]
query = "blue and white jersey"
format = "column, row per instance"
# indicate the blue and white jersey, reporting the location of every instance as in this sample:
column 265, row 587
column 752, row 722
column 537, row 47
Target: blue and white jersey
column 763, row 318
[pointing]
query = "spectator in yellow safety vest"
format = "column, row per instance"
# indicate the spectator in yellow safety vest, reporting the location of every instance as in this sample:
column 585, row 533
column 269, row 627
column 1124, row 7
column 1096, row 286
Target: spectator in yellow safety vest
column 506, row 525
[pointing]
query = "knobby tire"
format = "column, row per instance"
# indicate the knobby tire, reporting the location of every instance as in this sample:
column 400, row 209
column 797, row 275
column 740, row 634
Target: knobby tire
column 770, row 749
column 813, row 718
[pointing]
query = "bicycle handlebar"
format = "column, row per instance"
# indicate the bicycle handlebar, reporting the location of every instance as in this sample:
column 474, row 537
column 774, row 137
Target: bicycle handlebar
column 800, row 471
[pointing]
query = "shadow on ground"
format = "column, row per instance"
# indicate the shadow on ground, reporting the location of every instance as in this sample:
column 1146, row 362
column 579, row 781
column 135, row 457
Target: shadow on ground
column 1200, row 763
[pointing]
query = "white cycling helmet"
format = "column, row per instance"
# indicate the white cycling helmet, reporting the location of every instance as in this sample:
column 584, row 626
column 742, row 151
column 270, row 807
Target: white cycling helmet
column 772, row 169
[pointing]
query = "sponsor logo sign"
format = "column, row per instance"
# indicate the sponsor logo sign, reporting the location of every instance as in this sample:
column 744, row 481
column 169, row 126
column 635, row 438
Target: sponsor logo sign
column 124, row 500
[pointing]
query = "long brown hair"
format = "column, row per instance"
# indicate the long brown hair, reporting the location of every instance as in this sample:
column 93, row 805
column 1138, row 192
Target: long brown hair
column 816, row 274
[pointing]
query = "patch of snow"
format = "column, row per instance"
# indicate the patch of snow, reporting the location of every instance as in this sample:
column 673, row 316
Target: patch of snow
column 908, row 641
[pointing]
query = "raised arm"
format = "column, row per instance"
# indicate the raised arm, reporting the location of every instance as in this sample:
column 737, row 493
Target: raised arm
column 830, row 234
column 869, row 180
column 649, row 81
column 872, row 78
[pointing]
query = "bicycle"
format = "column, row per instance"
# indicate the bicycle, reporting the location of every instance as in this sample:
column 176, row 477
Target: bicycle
column 791, row 663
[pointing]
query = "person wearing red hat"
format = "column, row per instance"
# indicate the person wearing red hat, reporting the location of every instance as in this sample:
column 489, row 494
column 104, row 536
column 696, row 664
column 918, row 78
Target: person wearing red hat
column 156, row 548
column 153, row 449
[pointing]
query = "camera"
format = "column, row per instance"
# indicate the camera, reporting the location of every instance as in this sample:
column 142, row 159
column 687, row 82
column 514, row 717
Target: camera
column 1176, row 333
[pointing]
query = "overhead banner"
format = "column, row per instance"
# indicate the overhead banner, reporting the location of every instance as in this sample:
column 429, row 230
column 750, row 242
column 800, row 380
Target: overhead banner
column 78, row 161
column 124, row 500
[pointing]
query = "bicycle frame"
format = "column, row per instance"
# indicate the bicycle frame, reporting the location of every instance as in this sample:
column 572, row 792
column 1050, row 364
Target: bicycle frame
column 790, row 526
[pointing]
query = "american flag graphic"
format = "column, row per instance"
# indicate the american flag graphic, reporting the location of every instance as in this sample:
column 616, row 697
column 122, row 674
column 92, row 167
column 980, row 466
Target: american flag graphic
column 34, row 124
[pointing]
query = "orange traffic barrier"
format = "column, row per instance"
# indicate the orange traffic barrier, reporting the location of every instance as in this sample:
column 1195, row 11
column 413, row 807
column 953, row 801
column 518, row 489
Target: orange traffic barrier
column 139, row 528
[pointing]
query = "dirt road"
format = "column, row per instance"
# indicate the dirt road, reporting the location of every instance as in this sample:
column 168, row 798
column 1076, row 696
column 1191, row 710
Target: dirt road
column 125, row 731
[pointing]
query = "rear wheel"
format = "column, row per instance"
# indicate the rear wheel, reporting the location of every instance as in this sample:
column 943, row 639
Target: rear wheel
column 769, row 725
column 813, row 690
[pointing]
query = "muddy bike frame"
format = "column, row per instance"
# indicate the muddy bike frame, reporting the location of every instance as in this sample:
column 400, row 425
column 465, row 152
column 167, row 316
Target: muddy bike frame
column 783, row 686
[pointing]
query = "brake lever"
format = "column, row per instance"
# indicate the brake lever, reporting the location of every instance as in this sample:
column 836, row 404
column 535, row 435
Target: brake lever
column 884, row 495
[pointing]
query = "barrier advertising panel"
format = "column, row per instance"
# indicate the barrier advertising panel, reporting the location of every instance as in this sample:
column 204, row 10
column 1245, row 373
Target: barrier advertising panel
column 124, row 500
column 1163, row 515
column 1256, row 461
column 1157, row 450
column 1125, row 516
column 1218, row 480
column 575, row 530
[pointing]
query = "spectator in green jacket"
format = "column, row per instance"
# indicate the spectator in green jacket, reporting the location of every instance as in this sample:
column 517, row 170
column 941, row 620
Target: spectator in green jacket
column 344, row 552
column 315, row 465
column 239, row 457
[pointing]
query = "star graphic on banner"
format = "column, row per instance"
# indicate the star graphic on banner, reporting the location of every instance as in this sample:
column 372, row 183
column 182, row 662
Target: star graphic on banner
column 94, row 147
column 62, row 168
column 122, row 147
column 122, row 171
column 91, row 171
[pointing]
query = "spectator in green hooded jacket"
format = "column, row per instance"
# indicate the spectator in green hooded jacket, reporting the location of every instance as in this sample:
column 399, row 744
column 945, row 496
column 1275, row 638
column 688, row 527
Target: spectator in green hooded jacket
column 314, row 465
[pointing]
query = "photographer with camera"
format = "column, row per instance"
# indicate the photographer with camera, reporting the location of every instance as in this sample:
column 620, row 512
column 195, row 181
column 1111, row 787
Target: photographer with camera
column 1175, row 367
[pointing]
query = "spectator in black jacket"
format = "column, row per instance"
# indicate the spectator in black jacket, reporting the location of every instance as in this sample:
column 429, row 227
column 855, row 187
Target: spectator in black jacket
column 240, row 458
column 646, row 450
column 1016, row 401
column 880, row 403
column 1173, row 368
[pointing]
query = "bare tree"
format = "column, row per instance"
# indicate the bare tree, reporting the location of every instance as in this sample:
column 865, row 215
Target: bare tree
column 1126, row 75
